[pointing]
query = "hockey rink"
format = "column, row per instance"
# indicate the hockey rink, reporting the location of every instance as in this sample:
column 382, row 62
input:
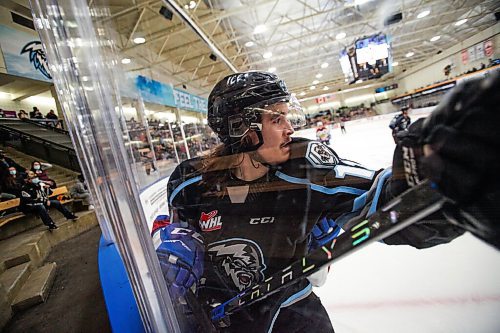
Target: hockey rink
column 452, row 288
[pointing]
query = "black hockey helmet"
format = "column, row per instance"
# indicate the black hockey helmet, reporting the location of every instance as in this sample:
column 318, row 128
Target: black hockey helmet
column 236, row 102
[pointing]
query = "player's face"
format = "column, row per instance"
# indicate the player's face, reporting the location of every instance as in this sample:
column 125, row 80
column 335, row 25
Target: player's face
column 276, row 132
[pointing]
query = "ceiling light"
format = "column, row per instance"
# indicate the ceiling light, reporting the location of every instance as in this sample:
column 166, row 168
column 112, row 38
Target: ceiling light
column 302, row 93
column 462, row 21
column 423, row 14
column 409, row 54
column 319, row 75
column 435, row 38
column 325, row 88
column 340, row 35
column 315, row 82
column 312, row 87
column 259, row 29
column 360, row 2
column 272, row 69
column 192, row 4
column 139, row 40
column 267, row 55
column 324, row 65
column 126, row 61
column 249, row 44
column 395, row 63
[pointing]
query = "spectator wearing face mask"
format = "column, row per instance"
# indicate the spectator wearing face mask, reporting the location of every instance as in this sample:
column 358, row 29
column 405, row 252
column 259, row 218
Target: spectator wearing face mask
column 8, row 162
column 39, row 169
column 35, row 200
column 10, row 183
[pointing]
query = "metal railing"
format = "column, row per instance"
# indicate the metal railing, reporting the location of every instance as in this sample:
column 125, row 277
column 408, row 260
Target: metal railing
column 33, row 145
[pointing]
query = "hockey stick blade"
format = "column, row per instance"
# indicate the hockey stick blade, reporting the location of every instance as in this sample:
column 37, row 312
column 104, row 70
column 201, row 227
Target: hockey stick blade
column 413, row 205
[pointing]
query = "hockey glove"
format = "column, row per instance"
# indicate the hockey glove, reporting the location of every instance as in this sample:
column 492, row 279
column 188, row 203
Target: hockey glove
column 181, row 254
column 464, row 140
column 461, row 141
column 323, row 232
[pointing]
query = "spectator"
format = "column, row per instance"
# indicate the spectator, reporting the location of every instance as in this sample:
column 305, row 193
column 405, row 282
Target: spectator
column 8, row 162
column 10, row 183
column 80, row 191
column 22, row 114
column 52, row 116
column 35, row 199
column 33, row 113
column 38, row 115
column 39, row 169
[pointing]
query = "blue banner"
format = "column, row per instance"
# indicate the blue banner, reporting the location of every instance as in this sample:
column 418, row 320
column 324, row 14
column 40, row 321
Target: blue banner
column 155, row 92
column 187, row 101
column 24, row 55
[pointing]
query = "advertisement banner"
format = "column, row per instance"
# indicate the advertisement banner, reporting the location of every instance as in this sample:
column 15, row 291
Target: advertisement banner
column 154, row 201
column 24, row 55
column 488, row 48
column 154, row 91
column 185, row 100
column 465, row 57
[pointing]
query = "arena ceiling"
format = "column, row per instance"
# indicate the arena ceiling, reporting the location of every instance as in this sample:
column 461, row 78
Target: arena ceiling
column 301, row 35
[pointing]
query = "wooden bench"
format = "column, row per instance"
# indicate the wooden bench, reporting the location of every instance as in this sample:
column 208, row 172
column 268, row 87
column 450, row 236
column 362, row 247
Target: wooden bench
column 14, row 203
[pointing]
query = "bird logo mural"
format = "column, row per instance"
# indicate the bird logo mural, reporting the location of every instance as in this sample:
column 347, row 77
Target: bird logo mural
column 37, row 57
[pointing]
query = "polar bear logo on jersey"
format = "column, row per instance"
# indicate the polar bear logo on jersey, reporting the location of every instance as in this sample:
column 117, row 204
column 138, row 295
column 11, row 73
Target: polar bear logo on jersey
column 239, row 260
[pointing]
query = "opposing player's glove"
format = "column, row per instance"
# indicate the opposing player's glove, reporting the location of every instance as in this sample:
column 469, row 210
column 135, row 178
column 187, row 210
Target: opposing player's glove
column 457, row 147
column 323, row 232
column 180, row 253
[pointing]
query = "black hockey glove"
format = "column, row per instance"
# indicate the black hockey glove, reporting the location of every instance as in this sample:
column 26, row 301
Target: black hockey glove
column 461, row 141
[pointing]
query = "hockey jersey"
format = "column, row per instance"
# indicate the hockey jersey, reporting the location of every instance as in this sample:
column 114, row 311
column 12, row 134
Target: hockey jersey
column 253, row 229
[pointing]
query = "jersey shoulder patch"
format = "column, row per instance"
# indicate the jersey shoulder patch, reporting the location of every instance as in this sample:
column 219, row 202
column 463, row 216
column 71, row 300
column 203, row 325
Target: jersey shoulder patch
column 320, row 155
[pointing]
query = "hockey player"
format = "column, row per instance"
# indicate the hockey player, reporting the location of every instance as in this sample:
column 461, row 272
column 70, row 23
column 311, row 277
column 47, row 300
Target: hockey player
column 322, row 133
column 400, row 123
column 262, row 200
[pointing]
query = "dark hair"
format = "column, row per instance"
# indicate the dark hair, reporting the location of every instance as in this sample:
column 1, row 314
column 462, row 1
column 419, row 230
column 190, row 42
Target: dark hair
column 33, row 163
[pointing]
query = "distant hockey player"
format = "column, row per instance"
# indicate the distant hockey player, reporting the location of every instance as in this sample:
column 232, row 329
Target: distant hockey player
column 322, row 133
column 262, row 200
column 400, row 123
column 342, row 125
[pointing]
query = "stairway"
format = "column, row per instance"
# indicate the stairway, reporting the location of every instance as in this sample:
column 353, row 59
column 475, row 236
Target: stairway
column 62, row 176
column 25, row 279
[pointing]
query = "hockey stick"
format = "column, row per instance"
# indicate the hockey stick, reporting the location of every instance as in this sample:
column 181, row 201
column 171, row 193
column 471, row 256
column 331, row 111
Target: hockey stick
column 411, row 206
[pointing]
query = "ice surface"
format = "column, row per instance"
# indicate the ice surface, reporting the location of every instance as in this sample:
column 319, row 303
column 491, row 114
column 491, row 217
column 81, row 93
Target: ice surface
column 450, row 288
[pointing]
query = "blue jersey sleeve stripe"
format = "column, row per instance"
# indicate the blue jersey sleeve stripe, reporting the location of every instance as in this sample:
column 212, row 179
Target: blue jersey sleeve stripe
column 182, row 186
column 359, row 202
column 319, row 188
column 381, row 181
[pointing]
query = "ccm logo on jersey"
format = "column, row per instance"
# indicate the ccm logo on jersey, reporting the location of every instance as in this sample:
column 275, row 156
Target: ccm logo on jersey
column 262, row 220
column 210, row 221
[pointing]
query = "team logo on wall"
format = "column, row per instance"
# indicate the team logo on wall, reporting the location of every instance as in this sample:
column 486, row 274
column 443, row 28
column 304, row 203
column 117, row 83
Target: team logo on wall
column 320, row 155
column 210, row 221
column 37, row 57
column 239, row 260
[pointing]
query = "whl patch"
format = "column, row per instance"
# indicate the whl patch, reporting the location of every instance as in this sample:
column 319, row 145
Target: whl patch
column 210, row 221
